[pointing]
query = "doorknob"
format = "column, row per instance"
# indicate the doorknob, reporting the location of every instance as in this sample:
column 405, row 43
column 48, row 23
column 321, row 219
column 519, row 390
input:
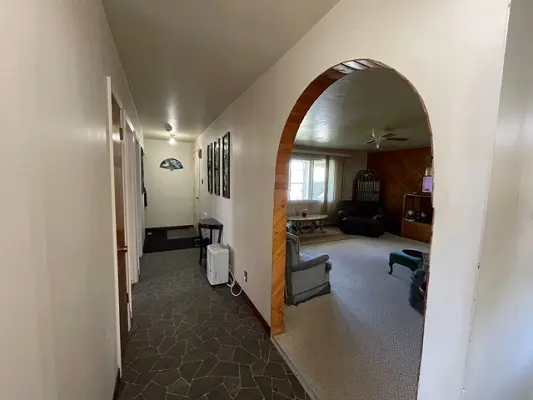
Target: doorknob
column 123, row 249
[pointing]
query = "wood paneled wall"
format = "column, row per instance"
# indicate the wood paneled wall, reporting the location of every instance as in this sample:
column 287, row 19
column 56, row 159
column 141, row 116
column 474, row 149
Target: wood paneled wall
column 400, row 172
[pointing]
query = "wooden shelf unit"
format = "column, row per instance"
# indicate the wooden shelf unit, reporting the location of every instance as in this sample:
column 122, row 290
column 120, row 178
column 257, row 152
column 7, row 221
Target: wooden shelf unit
column 417, row 230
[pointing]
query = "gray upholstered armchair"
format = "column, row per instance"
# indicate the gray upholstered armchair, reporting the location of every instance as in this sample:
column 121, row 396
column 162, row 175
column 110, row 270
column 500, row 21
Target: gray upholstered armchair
column 306, row 276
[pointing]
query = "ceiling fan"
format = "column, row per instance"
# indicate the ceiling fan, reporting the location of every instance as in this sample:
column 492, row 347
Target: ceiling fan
column 384, row 136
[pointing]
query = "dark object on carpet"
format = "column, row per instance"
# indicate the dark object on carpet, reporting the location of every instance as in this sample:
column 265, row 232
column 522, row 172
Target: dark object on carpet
column 417, row 290
column 157, row 240
column 361, row 218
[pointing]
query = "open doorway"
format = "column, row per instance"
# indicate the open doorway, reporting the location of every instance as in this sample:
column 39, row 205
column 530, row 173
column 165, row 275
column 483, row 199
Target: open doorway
column 352, row 198
column 121, row 222
column 169, row 176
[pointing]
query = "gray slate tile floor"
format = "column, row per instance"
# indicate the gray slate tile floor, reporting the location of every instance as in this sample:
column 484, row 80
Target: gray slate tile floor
column 190, row 341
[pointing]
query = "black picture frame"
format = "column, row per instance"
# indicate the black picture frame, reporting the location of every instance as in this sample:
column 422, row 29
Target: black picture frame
column 226, row 153
column 216, row 183
column 210, row 168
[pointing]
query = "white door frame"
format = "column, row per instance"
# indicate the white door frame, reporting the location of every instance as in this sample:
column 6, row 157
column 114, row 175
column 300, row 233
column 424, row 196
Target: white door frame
column 131, row 199
column 140, row 200
column 113, row 227
column 129, row 167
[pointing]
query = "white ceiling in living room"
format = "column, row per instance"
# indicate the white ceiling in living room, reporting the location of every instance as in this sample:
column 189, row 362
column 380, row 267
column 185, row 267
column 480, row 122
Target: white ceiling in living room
column 186, row 61
column 344, row 116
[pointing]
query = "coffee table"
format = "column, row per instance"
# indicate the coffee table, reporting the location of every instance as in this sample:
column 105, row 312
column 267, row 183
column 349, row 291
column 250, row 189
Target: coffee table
column 314, row 221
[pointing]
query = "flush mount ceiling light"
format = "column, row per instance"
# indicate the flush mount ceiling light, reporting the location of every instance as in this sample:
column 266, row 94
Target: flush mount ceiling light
column 172, row 141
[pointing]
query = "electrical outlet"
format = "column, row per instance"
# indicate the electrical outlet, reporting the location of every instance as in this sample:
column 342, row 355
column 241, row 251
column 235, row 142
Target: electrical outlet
column 245, row 276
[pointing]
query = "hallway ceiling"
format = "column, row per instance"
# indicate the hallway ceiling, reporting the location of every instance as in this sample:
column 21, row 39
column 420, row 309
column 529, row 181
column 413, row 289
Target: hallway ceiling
column 345, row 114
column 186, row 61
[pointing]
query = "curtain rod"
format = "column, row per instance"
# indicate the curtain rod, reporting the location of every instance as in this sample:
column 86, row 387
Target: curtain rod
column 320, row 152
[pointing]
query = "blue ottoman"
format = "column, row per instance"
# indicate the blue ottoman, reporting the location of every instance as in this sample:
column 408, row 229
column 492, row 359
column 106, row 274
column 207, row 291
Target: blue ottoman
column 410, row 258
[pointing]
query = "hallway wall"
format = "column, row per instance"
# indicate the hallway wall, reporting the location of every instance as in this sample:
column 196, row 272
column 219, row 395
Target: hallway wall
column 170, row 193
column 58, row 331
column 457, row 71
column 500, row 358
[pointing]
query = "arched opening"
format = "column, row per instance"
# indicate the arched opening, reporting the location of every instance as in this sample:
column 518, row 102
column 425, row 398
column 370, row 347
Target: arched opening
column 281, row 189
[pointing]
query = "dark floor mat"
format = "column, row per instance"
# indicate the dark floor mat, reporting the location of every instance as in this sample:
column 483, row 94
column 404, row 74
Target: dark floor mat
column 156, row 241
column 181, row 233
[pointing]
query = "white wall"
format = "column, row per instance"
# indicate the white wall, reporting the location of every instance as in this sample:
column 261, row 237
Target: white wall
column 500, row 358
column 211, row 205
column 452, row 52
column 352, row 166
column 170, row 193
column 58, row 333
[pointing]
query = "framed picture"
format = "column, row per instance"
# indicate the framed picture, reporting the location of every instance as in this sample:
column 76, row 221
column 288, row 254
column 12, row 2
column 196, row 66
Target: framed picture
column 216, row 183
column 226, row 151
column 210, row 168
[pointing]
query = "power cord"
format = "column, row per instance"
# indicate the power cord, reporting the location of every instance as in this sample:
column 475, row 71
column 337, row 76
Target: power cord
column 231, row 283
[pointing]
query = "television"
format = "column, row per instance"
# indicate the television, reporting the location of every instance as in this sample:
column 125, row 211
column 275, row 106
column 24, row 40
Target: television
column 427, row 184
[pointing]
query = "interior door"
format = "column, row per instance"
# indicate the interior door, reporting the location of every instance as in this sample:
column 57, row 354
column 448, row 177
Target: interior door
column 129, row 164
column 120, row 215
column 196, row 189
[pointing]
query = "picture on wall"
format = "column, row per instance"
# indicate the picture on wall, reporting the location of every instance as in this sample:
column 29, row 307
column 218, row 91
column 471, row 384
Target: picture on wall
column 210, row 168
column 226, row 165
column 216, row 183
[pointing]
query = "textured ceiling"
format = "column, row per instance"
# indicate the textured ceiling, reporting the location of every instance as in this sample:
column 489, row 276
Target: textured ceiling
column 345, row 114
column 186, row 61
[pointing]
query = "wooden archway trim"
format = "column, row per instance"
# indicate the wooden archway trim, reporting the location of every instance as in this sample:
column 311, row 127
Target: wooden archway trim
column 302, row 106
column 296, row 116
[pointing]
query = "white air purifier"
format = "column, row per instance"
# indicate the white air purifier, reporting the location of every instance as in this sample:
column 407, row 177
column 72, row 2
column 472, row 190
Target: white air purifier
column 217, row 264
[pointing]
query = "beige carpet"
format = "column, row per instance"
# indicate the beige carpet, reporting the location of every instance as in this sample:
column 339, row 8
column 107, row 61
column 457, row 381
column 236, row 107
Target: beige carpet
column 362, row 341
column 330, row 234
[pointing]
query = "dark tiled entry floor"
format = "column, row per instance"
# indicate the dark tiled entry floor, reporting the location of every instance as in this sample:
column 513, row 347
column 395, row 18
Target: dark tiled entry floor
column 190, row 341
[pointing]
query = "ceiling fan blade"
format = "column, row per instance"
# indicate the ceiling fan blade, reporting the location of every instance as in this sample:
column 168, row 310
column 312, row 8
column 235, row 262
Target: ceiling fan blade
column 388, row 135
column 370, row 141
column 397, row 139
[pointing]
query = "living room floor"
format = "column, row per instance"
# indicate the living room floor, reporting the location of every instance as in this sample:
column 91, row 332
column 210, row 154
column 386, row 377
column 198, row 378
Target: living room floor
column 362, row 341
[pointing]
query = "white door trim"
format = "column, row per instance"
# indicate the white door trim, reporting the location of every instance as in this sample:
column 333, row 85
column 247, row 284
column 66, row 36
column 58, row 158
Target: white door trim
column 130, row 166
column 113, row 226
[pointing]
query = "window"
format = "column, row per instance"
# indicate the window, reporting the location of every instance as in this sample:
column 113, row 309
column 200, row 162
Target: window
column 307, row 179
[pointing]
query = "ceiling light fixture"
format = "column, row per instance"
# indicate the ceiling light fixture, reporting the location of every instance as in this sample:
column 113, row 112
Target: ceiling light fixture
column 168, row 127
column 172, row 141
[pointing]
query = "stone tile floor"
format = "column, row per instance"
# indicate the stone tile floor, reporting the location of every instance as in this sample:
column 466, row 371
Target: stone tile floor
column 190, row 341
